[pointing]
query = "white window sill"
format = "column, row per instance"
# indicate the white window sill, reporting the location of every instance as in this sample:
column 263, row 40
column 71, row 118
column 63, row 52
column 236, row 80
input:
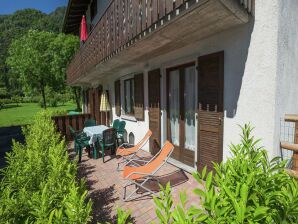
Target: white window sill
column 128, row 118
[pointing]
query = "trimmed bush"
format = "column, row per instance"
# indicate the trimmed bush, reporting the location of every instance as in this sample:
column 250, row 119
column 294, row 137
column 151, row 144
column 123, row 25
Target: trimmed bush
column 4, row 93
column 58, row 112
column 3, row 102
column 16, row 99
column 30, row 99
column 247, row 188
column 53, row 101
column 39, row 184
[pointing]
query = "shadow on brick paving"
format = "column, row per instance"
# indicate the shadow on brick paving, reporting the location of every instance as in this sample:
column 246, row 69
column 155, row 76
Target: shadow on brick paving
column 102, row 199
column 104, row 186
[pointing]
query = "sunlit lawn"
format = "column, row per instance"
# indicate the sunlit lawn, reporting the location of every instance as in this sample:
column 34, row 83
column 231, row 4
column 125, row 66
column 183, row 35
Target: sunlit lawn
column 24, row 113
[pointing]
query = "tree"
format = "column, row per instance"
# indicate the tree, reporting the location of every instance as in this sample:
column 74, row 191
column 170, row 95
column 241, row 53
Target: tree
column 63, row 49
column 40, row 59
column 77, row 95
column 13, row 27
column 16, row 25
column 52, row 22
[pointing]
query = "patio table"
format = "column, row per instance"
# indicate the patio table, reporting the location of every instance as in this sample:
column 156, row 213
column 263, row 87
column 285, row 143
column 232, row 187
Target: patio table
column 95, row 134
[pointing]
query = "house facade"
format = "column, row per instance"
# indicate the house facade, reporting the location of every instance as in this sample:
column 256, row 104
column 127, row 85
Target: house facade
column 189, row 70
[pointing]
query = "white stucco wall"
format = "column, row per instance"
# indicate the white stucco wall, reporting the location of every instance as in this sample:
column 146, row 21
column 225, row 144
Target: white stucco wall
column 138, row 128
column 287, row 64
column 260, row 68
column 250, row 73
column 256, row 101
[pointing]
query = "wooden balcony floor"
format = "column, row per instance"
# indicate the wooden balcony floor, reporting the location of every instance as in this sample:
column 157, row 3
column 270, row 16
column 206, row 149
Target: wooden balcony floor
column 104, row 184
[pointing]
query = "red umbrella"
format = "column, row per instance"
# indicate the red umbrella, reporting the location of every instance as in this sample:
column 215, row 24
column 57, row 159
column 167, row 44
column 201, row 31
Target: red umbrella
column 84, row 34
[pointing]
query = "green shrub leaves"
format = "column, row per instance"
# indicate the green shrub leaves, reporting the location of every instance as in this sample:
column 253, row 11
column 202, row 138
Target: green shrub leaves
column 247, row 188
column 39, row 183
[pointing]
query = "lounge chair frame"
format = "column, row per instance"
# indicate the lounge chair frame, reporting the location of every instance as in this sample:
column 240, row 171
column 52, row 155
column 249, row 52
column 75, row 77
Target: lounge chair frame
column 130, row 158
column 146, row 177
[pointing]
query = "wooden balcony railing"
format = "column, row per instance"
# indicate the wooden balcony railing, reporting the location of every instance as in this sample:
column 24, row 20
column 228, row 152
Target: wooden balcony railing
column 123, row 23
column 76, row 121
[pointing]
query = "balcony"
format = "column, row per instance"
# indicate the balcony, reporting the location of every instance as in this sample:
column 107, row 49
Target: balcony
column 131, row 32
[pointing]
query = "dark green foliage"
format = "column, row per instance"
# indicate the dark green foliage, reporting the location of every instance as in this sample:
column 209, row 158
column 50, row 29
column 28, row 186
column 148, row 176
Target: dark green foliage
column 52, row 22
column 247, row 188
column 14, row 27
column 18, row 24
column 16, row 99
column 57, row 98
column 39, row 183
column 4, row 93
column 3, row 102
column 39, row 59
column 77, row 96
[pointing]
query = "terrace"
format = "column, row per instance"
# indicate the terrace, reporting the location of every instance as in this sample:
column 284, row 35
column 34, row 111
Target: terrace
column 104, row 184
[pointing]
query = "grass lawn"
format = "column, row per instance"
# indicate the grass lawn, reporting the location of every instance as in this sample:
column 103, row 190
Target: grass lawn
column 24, row 113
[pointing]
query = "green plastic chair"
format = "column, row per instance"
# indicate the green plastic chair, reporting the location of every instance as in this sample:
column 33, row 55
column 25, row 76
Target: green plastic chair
column 116, row 124
column 89, row 123
column 108, row 141
column 120, row 132
column 80, row 141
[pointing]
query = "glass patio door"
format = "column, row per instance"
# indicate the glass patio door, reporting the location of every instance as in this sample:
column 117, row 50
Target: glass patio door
column 181, row 125
column 190, row 108
column 174, row 107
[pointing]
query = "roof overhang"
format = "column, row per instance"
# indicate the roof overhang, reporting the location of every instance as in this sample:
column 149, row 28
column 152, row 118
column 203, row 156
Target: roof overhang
column 73, row 15
column 208, row 17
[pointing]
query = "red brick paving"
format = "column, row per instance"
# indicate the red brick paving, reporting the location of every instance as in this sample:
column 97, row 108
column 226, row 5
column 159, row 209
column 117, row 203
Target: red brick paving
column 104, row 184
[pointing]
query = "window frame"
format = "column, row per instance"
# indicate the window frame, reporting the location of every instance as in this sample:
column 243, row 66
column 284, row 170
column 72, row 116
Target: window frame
column 132, row 96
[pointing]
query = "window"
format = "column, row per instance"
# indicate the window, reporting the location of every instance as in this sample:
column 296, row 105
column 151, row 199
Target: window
column 129, row 96
column 133, row 97
column 93, row 9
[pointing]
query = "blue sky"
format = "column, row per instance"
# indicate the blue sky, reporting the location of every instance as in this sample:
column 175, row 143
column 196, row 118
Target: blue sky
column 47, row 6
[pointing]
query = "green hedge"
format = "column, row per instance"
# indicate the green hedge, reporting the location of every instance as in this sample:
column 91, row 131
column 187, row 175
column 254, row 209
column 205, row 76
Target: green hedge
column 247, row 188
column 39, row 183
column 16, row 100
column 3, row 102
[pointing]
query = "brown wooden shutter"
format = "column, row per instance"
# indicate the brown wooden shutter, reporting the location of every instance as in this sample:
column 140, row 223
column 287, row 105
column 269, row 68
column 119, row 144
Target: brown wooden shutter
column 139, row 97
column 210, row 128
column 117, row 98
column 154, row 109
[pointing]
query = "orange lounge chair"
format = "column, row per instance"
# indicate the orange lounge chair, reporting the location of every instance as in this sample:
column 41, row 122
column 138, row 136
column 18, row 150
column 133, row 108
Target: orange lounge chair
column 127, row 151
column 140, row 175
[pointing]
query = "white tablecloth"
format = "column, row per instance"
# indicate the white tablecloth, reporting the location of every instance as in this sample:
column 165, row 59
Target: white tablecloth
column 95, row 132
